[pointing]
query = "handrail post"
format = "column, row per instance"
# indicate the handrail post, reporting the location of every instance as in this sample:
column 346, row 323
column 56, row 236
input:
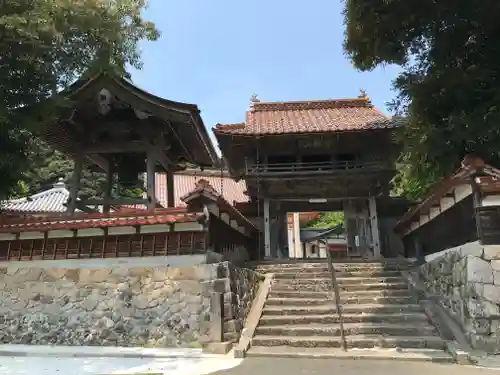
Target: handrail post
column 336, row 292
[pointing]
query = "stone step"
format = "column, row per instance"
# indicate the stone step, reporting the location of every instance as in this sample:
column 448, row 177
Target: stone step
column 307, row 294
column 328, row 300
column 343, row 280
column 317, row 285
column 414, row 355
column 319, row 274
column 305, row 267
column 389, row 329
column 346, row 309
column 356, row 341
column 332, row 318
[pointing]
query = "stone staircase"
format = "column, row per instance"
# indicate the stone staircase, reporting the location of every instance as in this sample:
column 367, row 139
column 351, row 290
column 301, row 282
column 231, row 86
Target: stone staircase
column 380, row 315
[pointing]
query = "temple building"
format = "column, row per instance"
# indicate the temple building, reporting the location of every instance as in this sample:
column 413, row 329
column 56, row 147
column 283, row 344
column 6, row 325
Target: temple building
column 115, row 127
column 288, row 157
column 50, row 202
column 326, row 155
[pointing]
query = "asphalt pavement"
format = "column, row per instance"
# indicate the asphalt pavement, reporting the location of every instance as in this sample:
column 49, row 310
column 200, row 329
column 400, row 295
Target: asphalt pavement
column 320, row 366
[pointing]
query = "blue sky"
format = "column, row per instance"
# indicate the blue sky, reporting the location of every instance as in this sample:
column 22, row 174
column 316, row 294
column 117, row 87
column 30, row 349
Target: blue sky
column 217, row 53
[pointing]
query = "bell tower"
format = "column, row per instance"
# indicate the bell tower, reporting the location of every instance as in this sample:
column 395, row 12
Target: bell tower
column 126, row 132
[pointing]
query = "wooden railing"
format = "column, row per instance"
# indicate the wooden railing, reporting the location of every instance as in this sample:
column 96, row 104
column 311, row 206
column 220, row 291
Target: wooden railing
column 316, row 167
column 336, row 293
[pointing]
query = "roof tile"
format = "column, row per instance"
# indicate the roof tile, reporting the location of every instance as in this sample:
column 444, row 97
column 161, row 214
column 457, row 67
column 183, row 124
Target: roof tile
column 185, row 182
column 83, row 221
column 48, row 201
column 309, row 117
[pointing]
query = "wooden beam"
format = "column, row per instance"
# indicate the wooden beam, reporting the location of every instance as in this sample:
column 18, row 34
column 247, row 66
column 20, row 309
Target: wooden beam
column 108, row 189
column 163, row 159
column 178, row 138
column 170, row 188
column 267, row 229
column 75, row 184
column 114, row 201
column 100, row 161
column 157, row 147
column 150, row 179
column 114, row 147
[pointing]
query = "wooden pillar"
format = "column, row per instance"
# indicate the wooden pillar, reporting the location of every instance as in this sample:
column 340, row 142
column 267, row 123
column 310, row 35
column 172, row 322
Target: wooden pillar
column 150, row 180
column 418, row 249
column 170, row 189
column 75, row 184
column 296, row 236
column 372, row 211
column 267, row 230
column 289, row 225
column 477, row 202
column 109, row 188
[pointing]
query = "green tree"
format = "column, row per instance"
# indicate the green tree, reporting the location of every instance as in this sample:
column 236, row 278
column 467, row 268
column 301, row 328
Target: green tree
column 326, row 220
column 46, row 166
column 44, row 46
column 449, row 87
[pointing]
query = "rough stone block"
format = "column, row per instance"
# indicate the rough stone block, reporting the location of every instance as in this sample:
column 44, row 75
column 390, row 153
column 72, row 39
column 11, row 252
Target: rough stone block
column 472, row 249
column 487, row 343
column 482, row 308
column 479, row 270
column 217, row 347
column 495, row 328
column 491, row 252
column 495, row 264
column 481, row 326
column 157, row 306
column 491, row 293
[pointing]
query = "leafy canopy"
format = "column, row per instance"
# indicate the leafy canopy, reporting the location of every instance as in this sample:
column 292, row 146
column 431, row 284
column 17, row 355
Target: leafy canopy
column 449, row 88
column 44, row 46
column 326, row 220
column 46, row 166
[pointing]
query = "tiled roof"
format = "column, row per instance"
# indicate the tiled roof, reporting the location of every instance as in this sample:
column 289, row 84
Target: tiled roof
column 309, row 117
column 471, row 165
column 86, row 221
column 48, row 201
column 54, row 200
column 203, row 188
column 185, row 182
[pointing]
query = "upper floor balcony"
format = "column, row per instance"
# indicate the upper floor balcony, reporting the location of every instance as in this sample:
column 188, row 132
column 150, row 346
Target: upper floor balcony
column 299, row 169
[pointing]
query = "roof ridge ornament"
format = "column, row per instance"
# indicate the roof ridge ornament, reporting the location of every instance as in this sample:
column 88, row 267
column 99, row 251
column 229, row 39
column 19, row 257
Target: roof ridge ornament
column 254, row 99
column 362, row 94
column 60, row 183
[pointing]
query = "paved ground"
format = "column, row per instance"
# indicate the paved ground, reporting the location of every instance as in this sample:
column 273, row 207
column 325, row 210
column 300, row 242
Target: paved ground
column 109, row 366
column 81, row 360
column 292, row 366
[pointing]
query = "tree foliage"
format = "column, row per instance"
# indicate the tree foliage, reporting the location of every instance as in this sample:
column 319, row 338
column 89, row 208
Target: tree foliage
column 44, row 46
column 46, row 166
column 326, row 220
column 449, row 88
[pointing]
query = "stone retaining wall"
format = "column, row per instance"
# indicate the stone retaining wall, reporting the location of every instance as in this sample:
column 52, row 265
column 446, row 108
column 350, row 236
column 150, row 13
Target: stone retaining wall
column 118, row 306
column 466, row 281
column 243, row 286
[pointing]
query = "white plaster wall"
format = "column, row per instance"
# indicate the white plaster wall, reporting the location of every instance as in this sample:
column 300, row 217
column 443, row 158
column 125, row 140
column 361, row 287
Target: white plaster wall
column 322, row 250
column 491, row 200
column 180, row 261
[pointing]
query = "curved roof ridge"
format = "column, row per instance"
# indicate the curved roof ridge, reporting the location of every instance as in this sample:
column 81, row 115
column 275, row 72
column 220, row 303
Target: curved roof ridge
column 308, row 117
column 311, row 104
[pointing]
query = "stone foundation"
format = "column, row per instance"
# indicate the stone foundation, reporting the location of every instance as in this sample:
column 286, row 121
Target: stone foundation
column 466, row 280
column 244, row 284
column 121, row 305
